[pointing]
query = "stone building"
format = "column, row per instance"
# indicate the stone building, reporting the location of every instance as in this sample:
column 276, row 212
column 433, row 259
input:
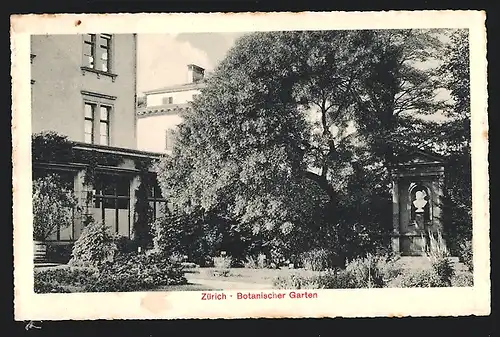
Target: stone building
column 157, row 121
column 418, row 185
column 83, row 87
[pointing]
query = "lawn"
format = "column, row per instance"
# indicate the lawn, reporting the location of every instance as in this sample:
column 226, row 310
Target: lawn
column 246, row 275
column 186, row 287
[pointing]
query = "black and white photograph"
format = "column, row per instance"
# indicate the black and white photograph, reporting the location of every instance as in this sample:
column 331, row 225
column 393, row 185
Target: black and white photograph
column 259, row 168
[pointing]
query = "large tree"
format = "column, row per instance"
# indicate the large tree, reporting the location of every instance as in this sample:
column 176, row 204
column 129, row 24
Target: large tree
column 455, row 137
column 269, row 143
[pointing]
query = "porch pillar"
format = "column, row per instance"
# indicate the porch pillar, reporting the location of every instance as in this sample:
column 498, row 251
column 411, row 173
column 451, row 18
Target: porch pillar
column 81, row 195
column 134, row 185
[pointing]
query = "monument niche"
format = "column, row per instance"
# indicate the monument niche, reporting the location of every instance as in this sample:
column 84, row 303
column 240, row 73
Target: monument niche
column 418, row 181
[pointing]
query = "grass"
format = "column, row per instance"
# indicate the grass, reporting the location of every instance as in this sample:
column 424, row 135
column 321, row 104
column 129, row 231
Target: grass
column 186, row 287
column 245, row 275
column 181, row 287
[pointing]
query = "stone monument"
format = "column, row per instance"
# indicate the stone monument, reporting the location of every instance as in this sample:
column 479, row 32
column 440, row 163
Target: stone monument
column 418, row 181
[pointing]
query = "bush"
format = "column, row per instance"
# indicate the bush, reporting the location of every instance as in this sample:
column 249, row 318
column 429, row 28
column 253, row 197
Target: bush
column 94, row 247
column 137, row 272
column 444, row 269
column 256, row 263
column 223, row 262
column 53, row 206
column 365, row 272
column 466, row 255
column 296, row 281
column 68, row 275
column 41, row 287
column 418, row 278
column 58, row 279
column 464, row 279
column 317, row 259
column 333, row 279
column 389, row 266
column 186, row 235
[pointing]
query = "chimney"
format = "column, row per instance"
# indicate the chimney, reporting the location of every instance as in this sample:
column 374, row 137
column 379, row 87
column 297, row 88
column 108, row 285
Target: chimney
column 195, row 73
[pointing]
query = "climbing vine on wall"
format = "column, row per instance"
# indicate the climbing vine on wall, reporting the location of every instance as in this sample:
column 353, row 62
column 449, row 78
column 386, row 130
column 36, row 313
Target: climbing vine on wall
column 50, row 147
column 143, row 213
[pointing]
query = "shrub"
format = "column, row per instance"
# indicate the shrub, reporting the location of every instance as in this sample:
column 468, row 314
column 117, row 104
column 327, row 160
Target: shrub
column 41, row 287
column 439, row 255
column 94, row 246
column 464, row 279
column 222, row 262
column 74, row 276
column 418, row 278
column 365, row 272
column 443, row 267
column 296, row 281
column 316, row 259
column 137, row 272
column 185, row 234
column 466, row 254
column 58, row 279
column 436, row 248
column 389, row 266
column 53, row 206
column 256, row 263
column 250, row 262
column 333, row 279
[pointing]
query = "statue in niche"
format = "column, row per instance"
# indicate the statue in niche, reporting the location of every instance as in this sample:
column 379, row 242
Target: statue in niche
column 420, row 201
column 420, row 214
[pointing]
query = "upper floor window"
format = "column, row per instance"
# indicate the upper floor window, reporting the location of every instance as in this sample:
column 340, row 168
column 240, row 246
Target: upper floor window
column 104, row 124
column 168, row 100
column 97, row 123
column 96, row 51
column 89, row 122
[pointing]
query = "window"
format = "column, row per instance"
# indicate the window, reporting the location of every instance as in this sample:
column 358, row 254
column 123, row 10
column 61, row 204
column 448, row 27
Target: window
column 112, row 202
column 168, row 100
column 105, row 46
column 104, row 125
column 169, row 139
column 156, row 201
column 97, row 133
column 89, row 50
column 97, row 51
column 89, row 123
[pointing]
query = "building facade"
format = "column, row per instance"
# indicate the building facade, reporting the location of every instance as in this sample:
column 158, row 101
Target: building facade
column 157, row 121
column 84, row 89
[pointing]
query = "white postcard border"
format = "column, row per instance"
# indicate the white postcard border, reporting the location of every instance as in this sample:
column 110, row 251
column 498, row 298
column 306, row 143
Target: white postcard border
column 330, row 303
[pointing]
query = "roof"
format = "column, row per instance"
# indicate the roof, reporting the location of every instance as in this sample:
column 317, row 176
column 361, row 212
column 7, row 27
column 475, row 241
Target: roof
column 176, row 88
column 165, row 109
column 411, row 156
column 116, row 150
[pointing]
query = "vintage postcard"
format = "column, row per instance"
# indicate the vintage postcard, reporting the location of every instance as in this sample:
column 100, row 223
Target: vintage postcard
column 279, row 165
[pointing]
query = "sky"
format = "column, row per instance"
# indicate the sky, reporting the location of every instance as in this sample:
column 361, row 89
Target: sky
column 163, row 58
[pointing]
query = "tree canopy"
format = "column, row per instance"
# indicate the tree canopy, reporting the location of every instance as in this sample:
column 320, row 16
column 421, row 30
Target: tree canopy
column 294, row 133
